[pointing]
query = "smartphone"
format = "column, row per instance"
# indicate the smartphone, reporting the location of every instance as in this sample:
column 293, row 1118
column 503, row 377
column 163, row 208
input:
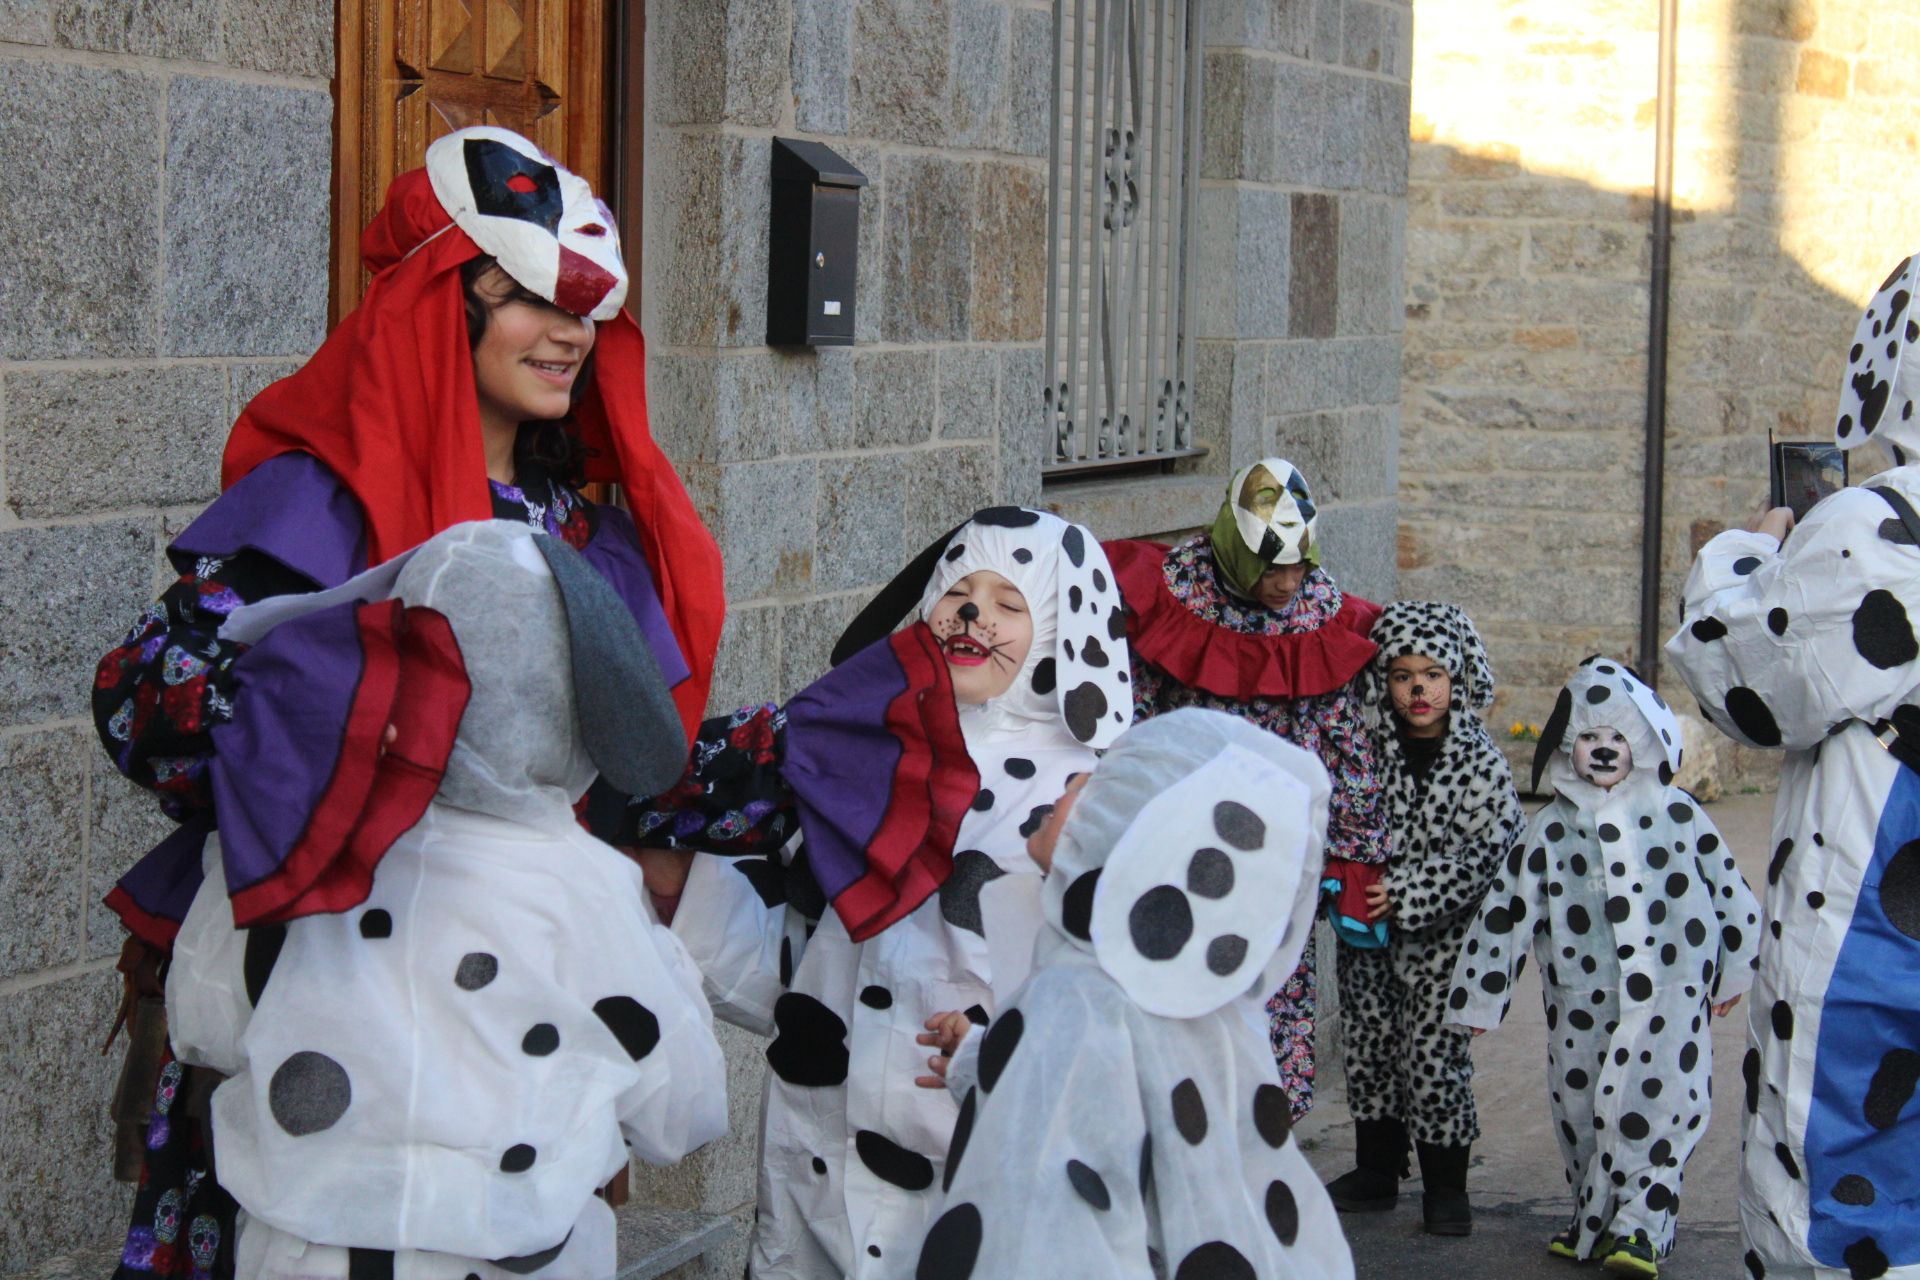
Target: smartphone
column 1801, row 472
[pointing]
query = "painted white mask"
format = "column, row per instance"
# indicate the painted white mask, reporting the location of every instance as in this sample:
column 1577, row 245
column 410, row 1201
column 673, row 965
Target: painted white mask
column 1603, row 756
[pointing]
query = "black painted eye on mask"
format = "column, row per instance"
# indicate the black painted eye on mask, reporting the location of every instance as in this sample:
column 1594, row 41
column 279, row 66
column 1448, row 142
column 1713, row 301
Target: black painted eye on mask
column 507, row 184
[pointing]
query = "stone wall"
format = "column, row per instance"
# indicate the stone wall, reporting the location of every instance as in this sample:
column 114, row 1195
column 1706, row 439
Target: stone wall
column 1527, row 265
column 148, row 147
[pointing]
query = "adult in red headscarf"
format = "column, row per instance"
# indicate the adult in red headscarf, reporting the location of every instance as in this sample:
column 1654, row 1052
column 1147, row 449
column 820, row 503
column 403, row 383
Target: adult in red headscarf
column 488, row 373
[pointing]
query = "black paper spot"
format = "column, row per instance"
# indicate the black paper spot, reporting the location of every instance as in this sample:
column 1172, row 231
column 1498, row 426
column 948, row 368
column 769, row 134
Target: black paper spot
column 960, row 893
column 518, row 1158
column 632, row 1024
column 1863, row 1257
column 1882, row 632
column 262, row 951
column 1076, row 905
column 1160, row 922
column 809, row 1047
column 376, row 924
column 1283, row 1214
column 962, row 1130
column 1089, row 1185
column 1189, row 1112
column 875, row 997
column 476, row 970
column 952, row 1247
column 1226, row 953
column 891, row 1162
column 1210, row 874
column 1707, row 630
column 542, row 1038
column 1854, row 1189
column 1043, row 676
column 1750, row 716
column 1017, row 767
column 308, row 1093
column 1215, row 1260
column 996, row 1050
column 1782, row 1020
column 1239, row 826
column 1891, row 1088
column 1074, row 545
column 1900, row 889
column 1084, row 705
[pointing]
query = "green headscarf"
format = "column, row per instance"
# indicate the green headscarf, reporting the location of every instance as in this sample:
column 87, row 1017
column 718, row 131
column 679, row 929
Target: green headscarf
column 1268, row 519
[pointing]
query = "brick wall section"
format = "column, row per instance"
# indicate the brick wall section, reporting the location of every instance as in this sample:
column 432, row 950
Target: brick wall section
column 1527, row 263
column 140, row 305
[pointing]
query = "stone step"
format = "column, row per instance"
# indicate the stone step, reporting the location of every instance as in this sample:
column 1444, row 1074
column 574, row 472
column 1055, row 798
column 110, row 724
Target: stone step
column 652, row 1243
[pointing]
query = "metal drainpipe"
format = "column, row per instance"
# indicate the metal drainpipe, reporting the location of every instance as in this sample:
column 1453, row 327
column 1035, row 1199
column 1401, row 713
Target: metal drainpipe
column 1658, row 285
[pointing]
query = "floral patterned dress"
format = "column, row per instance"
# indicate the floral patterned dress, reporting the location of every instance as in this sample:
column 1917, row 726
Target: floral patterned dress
column 1328, row 724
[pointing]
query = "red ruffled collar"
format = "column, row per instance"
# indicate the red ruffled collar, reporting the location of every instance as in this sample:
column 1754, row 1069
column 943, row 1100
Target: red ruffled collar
column 1234, row 664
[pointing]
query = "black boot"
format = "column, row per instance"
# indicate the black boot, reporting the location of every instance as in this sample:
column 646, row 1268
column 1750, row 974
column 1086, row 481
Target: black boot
column 1380, row 1151
column 1444, row 1204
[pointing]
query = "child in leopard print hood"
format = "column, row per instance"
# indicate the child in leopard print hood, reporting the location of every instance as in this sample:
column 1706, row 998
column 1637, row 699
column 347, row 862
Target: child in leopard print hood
column 1452, row 811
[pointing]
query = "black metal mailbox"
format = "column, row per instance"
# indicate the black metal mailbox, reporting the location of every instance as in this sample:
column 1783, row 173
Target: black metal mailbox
column 813, row 246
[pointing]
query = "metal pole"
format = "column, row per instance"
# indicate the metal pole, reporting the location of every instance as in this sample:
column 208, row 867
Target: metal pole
column 1658, row 287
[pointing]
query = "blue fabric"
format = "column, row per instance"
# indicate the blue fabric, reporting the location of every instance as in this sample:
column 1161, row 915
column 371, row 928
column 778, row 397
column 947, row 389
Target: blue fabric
column 1355, row 933
column 1870, row 1012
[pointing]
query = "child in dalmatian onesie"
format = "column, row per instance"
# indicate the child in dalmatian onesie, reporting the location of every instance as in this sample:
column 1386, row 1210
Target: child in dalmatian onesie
column 852, row 1148
column 432, row 1082
column 1806, row 642
column 1642, row 926
column 1453, row 814
column 1128, row 1119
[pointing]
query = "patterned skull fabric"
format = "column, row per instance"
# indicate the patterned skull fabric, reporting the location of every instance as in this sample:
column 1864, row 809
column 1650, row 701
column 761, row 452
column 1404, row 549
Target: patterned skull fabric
column 1810, row 646
column 449, row 1069
column 852, row 1150
column 1125, row 1118
column 1640, row 922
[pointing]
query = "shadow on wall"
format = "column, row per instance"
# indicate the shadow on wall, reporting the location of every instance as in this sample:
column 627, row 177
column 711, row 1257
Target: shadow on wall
column 1524, row 401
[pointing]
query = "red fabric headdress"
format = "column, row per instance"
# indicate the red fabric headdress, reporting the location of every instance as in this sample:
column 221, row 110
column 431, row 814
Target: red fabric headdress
column 388, row 404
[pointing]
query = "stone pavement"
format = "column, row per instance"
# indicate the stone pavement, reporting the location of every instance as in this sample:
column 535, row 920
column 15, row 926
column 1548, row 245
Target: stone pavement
column 1518, row 1183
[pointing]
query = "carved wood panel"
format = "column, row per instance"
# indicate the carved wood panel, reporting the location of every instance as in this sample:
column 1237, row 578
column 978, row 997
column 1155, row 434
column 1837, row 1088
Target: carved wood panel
column 413, row 70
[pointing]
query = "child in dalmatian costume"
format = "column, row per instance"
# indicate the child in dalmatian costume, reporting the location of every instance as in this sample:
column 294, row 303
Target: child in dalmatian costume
column 1453, row 814
column 432, row 1083
column 1806, row 642
column 1128, row 1119
column 852, row 1147
column 1642, row 927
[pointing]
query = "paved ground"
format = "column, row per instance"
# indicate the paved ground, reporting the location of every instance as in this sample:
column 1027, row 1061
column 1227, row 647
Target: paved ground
column 1517, row 1182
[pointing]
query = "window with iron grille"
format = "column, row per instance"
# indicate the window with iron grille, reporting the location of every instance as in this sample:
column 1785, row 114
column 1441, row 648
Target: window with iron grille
column 1122, row 195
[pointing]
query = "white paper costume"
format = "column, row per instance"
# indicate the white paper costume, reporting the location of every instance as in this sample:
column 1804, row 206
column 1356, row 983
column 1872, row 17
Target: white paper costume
column 1128, row 1119
column 446, row 1072
column 1640, row 921
column 852, row 1149
column 1809, row 646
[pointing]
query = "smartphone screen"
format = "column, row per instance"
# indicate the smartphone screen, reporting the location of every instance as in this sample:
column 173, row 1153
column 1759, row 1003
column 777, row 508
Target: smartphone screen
column 1803, row 472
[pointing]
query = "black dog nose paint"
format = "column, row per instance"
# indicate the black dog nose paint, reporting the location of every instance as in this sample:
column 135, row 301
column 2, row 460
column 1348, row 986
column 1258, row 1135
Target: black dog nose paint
column 969, row 612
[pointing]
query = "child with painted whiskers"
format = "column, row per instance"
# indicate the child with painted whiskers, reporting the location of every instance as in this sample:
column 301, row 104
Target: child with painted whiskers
column 1643, row 928
column 1011, row 676
column 1452, row 811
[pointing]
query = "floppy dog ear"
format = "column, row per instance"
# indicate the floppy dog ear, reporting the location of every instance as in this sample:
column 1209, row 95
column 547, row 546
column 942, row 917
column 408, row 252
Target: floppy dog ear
column 895, row 601
column 628, row 720
column 1092, row 671
column 1550, row 737
column 1474, row 664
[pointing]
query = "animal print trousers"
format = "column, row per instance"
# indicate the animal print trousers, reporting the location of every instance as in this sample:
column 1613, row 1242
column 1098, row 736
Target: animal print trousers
column 1403, row 1060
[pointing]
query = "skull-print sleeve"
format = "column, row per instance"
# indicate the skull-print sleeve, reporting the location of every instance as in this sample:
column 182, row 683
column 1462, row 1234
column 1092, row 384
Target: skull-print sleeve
column 1515, row 909
column 1782, row 644
column 1480, row 834
column 1736, row 910
column 731, row 799
column 159, row 693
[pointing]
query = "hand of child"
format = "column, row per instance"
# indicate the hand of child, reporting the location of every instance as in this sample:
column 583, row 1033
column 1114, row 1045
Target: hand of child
column 1478, row 1031
column 944, row 1031
column 1776, row 523
column 664, row 870
column 1725, row 1007
column 1377, row 904
column 387, row 739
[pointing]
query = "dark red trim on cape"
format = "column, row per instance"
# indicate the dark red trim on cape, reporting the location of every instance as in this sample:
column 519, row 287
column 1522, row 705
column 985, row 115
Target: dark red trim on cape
column 157, row 932
column 1234, row 664
column 412, row 677
column 911, row 855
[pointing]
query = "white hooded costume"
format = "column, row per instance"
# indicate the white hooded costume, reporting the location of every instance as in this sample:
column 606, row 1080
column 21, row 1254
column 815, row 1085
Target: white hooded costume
column 1640, row 922
column 448, row 1071
column 1128, row 1118
column 1810, row 645
column 848, row 1175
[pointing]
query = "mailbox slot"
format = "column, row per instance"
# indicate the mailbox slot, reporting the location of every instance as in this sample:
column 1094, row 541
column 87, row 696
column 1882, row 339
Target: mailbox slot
column 813, row 246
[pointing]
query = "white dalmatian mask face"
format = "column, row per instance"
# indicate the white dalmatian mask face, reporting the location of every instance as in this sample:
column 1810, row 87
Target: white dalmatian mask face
column 541, row 222
column 1603, row 756
column 1189, row 860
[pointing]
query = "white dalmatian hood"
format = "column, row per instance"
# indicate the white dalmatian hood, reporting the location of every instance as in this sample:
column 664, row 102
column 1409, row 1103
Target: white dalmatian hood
column 1432, row 629
column 1077, row 671
column 541, row 222
column 1190, row 864
column 1882, row 380
column 1606, row 693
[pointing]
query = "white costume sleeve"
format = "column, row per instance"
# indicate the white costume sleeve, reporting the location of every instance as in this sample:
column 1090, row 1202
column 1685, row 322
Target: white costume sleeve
column 1737, row 910
column 735, row 938
column 691, row 1066
column 1781, row 644
column 963, row 1072
column 1496, row 947
column 207, row 1005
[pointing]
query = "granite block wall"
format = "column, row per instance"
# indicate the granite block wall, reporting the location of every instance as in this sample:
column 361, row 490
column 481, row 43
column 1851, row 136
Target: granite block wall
column 1527, row 284
column 166, row 254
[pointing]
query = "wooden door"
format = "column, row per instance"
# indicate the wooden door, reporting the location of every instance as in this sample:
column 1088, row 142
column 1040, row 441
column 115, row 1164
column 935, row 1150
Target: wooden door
column 410, row 71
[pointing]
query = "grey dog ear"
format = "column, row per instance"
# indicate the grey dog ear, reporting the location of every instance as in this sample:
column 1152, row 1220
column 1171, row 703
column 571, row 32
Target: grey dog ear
column 628, row 721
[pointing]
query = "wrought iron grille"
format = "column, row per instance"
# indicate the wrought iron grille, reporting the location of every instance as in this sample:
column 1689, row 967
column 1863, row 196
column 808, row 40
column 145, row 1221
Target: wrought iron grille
column 1122, row 198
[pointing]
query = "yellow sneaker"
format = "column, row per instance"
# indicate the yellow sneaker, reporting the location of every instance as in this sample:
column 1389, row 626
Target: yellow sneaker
column 1633, row 1256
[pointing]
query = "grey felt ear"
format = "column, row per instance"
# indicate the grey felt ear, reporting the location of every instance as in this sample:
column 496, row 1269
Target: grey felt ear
column 628, row 721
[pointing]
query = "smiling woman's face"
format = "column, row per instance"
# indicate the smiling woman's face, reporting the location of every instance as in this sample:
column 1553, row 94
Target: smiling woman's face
column 527, row 359
column 985, row 632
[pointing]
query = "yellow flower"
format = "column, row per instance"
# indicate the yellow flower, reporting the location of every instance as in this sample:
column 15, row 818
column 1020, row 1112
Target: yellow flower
column 1519, row 728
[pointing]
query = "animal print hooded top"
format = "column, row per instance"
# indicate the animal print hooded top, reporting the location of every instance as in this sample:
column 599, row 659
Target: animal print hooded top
column 1450, row 829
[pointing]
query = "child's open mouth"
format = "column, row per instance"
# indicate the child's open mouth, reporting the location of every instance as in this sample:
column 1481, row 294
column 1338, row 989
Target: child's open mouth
column 964, row 651
column 1419, row 708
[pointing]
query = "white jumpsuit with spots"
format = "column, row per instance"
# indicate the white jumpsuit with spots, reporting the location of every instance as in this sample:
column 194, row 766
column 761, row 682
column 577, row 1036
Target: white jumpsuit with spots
column 1640, row 921
column 1804, row 647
